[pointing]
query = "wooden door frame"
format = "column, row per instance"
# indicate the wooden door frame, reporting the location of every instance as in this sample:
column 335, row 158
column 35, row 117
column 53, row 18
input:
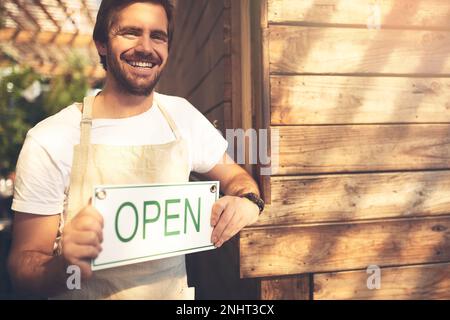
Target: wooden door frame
column 251, row 88
column 249, row 69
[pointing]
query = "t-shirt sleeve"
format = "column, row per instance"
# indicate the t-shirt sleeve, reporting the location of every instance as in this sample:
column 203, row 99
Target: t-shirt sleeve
column 39, row 184
column 208, row 144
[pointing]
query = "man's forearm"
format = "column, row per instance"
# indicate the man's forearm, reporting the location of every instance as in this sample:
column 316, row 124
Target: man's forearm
column 241, row 184
column 37, row 274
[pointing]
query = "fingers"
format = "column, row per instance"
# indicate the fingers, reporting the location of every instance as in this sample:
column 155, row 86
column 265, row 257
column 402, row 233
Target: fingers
column 90, row 211
column 88, row 223
column 86, row 238
column 217, row 210
column 85, row 268
column 82, row 238
column 77, row 252
column 229, row 215
column 225, row 218
column 231, row 230
column 80, row 255
column 229, row 225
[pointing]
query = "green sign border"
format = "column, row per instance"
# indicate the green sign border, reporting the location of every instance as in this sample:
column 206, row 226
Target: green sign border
column 216, row 183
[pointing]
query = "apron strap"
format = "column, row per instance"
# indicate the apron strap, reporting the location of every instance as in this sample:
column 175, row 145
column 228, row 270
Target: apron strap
column 86, row 121
column 169, row 120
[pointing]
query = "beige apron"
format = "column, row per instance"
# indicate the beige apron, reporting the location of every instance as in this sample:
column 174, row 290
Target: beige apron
column 102, row 164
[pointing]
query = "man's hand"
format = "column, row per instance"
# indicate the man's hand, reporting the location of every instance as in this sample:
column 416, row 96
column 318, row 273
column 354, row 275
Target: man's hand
column 229, row 216
column 82, row 238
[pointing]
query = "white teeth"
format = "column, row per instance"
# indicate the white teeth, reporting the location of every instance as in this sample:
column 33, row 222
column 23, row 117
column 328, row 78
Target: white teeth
column 141, row 64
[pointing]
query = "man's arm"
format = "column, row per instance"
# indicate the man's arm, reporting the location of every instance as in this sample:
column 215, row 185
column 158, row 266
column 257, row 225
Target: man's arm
column 33, row 269
column 234, row 181
column 231, row 213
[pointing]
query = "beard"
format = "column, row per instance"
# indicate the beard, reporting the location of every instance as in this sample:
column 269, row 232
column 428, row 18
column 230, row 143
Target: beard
column 129, row 83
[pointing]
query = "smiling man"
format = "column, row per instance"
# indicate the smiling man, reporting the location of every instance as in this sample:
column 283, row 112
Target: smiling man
column 128, row 134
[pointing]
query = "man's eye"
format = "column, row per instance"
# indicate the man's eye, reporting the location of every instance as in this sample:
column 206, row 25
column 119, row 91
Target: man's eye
column 159, row 37
column 130, row 34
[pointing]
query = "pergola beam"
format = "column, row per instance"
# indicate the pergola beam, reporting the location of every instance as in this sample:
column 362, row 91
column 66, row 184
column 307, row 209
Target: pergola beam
column 13, row 18
column 28, row 14
column 93, row 72
column 88, row 12
column 45, row 37
column 50, row 69
column 29, row 42
column 68, row 15
column 49, row 16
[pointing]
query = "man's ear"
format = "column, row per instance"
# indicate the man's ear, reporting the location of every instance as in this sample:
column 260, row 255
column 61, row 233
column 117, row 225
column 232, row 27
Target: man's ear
column 101, row 48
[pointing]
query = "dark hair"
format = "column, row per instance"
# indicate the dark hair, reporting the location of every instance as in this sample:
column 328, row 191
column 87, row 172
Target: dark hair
column 107, row 10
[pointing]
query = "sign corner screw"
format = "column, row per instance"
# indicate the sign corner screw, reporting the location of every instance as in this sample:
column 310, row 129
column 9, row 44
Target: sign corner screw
column 100, row 194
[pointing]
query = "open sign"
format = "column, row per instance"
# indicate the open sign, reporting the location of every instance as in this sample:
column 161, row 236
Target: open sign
column 149, row 222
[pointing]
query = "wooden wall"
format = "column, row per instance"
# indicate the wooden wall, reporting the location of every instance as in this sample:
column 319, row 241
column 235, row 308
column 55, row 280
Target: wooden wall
column 363, row 116
column 199, row 59
column 205, row 68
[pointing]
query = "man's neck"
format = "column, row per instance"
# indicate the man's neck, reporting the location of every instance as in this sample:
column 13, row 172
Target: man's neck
column 114, row 104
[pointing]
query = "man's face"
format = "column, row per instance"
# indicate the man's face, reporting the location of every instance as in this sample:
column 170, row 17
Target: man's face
column 137, row 49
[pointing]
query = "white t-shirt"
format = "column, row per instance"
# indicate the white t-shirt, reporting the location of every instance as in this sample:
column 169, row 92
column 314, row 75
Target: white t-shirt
column 45, row 161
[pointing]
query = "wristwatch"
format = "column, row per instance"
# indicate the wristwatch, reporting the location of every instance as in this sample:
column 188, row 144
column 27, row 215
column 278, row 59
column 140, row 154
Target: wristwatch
column 253, row 197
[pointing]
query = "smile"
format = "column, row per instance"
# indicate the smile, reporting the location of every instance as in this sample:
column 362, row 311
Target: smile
column 140, row 64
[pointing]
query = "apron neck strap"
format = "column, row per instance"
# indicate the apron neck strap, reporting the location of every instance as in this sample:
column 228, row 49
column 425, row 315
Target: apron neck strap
column 168, row 118
column 86, row 121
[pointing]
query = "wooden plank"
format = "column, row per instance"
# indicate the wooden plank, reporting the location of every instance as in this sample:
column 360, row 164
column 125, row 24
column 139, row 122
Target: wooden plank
column 200, row 55
column 351, row 197
column 392, row 13
column 45, row 38
column 422, row 282
column 183, row 11
column 287, row 288
column 353, row 100
column 217, row 117
column 259, row 111
column 196, row 67
column 345, row 50
column 185, row 36
column 210, row 92
column 200, row 61
column 93, row 72
column 236, row 67
column 274, row 251
column 187, row 15
column 246, row 66
column 328, row 149
column 259, row 70
column 246, row 114
column 228, row 121
column 209, row 20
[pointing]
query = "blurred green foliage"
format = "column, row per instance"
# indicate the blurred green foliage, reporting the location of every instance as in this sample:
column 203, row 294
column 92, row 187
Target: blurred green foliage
column 2, row 17
column 17, row 115
column 67, row 88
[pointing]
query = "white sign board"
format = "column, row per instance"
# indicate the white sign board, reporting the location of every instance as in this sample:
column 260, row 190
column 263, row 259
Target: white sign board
column 149, row 222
